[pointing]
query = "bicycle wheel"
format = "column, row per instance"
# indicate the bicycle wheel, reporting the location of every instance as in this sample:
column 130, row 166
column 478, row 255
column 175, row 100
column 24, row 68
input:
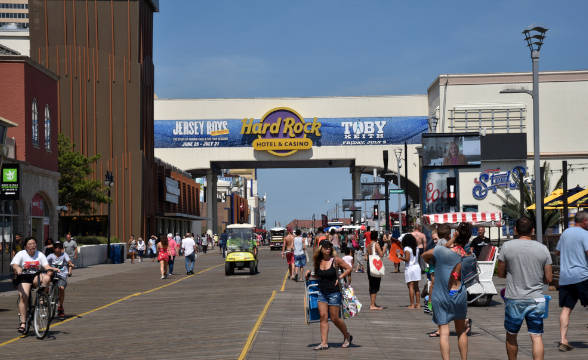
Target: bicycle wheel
column 42, row 315
column 53, row 299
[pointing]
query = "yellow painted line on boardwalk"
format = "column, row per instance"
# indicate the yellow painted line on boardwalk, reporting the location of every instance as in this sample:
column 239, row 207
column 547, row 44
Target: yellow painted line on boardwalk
column 284, row 282
column 256, row 327
column 116, row 302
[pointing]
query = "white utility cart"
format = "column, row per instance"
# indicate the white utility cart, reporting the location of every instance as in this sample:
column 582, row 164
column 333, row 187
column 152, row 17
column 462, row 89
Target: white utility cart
column 482, row 292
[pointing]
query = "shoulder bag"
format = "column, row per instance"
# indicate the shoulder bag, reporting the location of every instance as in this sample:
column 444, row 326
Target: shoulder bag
column 377, row 268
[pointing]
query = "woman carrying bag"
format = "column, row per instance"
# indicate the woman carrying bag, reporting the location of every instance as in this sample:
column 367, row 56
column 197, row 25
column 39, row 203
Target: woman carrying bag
column 375, row 269
column 326, row 265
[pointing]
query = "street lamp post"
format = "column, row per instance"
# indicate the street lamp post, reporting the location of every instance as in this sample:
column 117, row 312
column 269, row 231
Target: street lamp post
column 398, row 153
column 534, row 37
column 109, row 182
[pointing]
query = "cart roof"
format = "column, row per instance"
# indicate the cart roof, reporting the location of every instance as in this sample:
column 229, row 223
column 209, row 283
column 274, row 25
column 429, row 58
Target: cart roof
column 475, row 218
column 278, row 229
column 240, row 226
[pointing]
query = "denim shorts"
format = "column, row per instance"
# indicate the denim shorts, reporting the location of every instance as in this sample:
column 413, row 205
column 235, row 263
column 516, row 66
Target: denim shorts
column 299, row 260
column 518, row 310
column 333, row 299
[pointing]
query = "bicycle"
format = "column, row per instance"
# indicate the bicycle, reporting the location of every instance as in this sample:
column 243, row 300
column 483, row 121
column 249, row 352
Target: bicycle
column 39, row 314
column 53, row 297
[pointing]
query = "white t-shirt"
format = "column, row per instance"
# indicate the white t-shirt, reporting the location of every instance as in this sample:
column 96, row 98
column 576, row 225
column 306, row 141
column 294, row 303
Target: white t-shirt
column 348, row 259
column 141, row 245
column 61, row 263
column 204, row 241
column 188, row 246
column 413, row 259
column 29, row 264
column 298, row 246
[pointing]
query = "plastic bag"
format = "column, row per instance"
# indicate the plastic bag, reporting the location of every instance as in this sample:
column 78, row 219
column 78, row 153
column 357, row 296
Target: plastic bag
column 351, row 305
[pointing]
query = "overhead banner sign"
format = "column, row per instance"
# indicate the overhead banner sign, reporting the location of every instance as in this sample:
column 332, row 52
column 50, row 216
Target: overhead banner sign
column 282, row 131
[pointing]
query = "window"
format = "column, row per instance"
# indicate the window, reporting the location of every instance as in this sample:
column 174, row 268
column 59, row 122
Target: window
column 35, row 125
column 47, row 128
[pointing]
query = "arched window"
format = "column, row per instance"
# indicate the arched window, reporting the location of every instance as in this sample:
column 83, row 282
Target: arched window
column 47, row 128
column 35, row 126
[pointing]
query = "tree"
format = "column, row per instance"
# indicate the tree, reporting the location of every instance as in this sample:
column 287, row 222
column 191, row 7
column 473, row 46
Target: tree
column 76, row 190
column 511, row 205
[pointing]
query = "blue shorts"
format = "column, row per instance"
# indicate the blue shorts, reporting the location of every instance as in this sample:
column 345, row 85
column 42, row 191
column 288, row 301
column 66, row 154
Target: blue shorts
column 299, row 260
column 518, row 310
column 333, row 299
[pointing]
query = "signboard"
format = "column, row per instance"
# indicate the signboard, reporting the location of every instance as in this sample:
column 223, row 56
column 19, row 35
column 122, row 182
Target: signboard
column 10, row 186
column 282, row 132
column 372, row 191
column 493, row 179
column 396, row 191
column 172, row 190
column 350, row 205
column 451, row 150
column 435, row 191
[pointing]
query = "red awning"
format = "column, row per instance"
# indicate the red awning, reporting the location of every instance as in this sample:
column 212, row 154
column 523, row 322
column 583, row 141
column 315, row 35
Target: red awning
column 475, row 218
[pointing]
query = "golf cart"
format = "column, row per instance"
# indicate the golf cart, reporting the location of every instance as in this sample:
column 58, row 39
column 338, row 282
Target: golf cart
column 241, row 249
column 277, row 235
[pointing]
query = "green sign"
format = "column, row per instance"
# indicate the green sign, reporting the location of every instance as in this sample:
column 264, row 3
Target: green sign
column 396, row 191
column 10, row 186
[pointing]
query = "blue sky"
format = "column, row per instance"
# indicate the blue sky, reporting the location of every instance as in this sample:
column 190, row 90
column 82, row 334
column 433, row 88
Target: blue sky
column 275, row 48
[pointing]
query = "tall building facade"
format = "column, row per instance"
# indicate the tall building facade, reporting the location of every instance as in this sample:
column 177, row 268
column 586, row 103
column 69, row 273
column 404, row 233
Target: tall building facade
column 102, row 52
column 14, row 25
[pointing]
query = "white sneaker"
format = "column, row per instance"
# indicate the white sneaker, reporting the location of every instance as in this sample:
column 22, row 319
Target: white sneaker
column 162, row 277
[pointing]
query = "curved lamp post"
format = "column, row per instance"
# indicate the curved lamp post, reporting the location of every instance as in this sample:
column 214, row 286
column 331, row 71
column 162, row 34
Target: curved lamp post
column 534, row 36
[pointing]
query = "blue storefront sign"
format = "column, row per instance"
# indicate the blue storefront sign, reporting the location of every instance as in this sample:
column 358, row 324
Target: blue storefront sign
column 494, row 179
column 282, row 132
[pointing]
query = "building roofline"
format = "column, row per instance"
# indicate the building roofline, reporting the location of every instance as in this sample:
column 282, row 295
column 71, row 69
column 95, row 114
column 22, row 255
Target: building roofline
column 26, row 59
column 509, row 77
column 294, row 97
column 154, row 5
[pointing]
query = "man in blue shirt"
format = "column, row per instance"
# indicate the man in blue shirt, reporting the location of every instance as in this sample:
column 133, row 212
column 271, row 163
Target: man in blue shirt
column 573, row 278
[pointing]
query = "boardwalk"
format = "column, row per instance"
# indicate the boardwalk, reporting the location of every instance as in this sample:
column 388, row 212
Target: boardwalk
column 126, row 311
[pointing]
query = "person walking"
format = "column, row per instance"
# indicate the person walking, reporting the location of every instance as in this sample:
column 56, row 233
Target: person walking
column 288, row 252
column 335, row 239
column 153, row 247
column 412, row 270
column 396, row 253
column 374, row 282
column 572, row 248
column 141, row 248
column 71, row 249
column 525, row 263
column 223, row 243
column 163, row 256
column 178, row 240
column 132, row 244
column 189, row 248
column 326, row 266
column 299, row 255
column 449, row 296
column 204, row 243
column 172, row 249
column 48, row 247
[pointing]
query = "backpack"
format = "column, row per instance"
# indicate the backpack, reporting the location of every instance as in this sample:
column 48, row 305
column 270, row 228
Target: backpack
column 469, row 271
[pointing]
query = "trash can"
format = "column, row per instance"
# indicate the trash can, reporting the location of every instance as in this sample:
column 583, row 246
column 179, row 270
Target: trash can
column 115, row 253
column 122, row 254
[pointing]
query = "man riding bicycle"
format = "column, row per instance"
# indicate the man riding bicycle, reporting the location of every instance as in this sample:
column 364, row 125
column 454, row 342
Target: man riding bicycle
column 28, row 265
column 60, row 260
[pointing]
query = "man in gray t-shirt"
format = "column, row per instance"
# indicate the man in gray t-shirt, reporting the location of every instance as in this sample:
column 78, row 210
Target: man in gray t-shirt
column 71, row 249
column 525, row 263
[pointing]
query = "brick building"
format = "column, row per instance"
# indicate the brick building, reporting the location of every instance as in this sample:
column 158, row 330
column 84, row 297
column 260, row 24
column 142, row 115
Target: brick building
column 28, row 98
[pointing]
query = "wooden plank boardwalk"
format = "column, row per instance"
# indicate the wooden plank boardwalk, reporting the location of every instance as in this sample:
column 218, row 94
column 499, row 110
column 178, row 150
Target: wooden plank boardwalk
column 211, row 316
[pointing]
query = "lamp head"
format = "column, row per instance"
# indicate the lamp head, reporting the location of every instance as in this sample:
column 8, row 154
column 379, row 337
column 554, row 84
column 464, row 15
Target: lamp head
column 534, row 36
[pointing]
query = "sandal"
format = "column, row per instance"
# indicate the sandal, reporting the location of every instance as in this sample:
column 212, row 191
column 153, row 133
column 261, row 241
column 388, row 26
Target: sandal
column 434, row 334
column 21, row 328
column 347, row 342
column 564, row 347
column 469, row 327
column 321, row 347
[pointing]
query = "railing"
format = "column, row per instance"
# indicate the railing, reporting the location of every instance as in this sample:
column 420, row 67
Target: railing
column 492, row 120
